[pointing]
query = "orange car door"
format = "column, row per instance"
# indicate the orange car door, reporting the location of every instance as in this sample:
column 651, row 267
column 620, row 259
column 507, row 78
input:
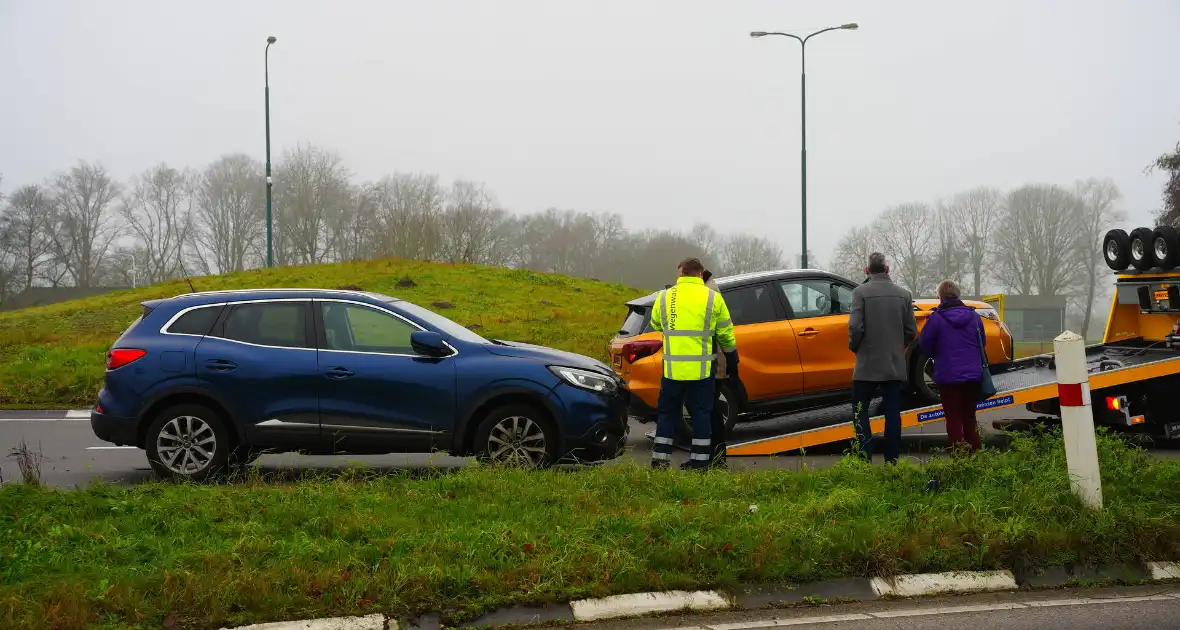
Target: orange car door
column 819, row 320
column 767, row 347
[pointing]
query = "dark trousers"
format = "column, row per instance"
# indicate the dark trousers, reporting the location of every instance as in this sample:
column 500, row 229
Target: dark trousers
column 862, row 395
column 958, row 403
column 698, row 397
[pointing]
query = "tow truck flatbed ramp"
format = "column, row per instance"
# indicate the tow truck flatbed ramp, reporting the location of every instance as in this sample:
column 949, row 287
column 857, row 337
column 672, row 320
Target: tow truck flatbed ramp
column 1029, row 380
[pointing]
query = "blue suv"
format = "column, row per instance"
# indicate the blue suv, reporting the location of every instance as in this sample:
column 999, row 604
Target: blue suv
column 204, row 381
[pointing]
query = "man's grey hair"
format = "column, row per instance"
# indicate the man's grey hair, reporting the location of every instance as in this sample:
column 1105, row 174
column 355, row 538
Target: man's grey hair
column 948, row 290
column 877, row 263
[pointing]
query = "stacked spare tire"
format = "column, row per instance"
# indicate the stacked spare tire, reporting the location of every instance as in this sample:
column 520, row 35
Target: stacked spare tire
column 1143, row 249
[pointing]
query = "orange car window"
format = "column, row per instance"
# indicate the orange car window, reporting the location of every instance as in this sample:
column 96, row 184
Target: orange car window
column 808, row 298
column 750, row 305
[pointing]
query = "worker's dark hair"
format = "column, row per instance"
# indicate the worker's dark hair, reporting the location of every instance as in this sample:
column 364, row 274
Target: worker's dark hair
column 706, row 275
column 691, row 267
column 877, row 263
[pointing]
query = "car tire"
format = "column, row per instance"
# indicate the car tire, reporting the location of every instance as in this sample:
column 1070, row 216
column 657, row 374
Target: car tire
column 726, row 403
column 1165, row 247
column 1140, row 250
column 517, row 435
column 1116, row 250
column 922, row 379
column 188, row 442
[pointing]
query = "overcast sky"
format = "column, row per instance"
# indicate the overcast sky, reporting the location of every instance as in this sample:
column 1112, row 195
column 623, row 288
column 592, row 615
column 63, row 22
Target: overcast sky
column 665, row 112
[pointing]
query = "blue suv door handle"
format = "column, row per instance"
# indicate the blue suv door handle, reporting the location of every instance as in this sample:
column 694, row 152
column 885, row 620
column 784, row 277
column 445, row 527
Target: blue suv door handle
column 338, row 373
column 220, row 365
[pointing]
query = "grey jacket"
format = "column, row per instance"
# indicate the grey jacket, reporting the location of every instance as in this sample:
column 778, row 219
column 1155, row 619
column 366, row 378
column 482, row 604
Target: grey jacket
column 880, row 329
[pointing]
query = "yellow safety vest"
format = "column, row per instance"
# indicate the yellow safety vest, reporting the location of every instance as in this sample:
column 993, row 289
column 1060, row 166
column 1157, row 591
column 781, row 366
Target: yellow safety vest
column 690, row 314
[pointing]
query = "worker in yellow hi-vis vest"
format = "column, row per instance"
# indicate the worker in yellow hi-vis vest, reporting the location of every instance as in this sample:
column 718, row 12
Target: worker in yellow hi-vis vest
column 689, row 315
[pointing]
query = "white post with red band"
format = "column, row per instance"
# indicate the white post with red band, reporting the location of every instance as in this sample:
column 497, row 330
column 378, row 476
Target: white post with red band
column 1077, row 418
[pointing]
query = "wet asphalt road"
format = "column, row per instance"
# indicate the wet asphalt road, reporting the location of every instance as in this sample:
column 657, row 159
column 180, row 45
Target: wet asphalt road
column 73, row 456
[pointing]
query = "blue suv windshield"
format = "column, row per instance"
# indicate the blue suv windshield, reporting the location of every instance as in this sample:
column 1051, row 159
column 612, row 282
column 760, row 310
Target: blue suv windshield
column 442, row 324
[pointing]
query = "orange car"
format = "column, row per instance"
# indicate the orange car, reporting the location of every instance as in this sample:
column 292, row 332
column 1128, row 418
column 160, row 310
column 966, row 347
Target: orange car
column 792, row 335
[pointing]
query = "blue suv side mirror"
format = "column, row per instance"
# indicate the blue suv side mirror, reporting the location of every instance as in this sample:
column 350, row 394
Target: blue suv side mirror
column 430, row 344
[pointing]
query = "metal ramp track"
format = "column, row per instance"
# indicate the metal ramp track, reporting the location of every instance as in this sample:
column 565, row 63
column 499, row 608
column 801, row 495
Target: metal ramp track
column 1029, row 380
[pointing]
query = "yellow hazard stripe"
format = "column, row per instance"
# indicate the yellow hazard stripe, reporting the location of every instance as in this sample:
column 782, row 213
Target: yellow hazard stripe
column 911, row 418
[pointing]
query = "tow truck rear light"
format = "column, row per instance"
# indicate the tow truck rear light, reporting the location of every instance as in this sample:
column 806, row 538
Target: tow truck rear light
column 636, row 350
column 118, row 357
column 1114, row 403
column 1136, row 420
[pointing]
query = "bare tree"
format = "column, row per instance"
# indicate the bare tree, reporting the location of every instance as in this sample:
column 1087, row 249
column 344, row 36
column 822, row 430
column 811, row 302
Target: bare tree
column 26, row 225
column 229, row 214
column 976, row 213
column 653, row 257
column 1036, row 242
column 852, row 252
column 950, row 252
column 745, row 253
column 408, row 211
column 354, row 227
column 1098, row 199
column 157, row 210
column 906, row 233
column 471, row 223
column 84, row 226
column 311, row 184
column 1169, row 164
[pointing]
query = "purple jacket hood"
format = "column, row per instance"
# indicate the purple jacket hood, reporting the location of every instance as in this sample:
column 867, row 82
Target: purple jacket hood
column 952, row 337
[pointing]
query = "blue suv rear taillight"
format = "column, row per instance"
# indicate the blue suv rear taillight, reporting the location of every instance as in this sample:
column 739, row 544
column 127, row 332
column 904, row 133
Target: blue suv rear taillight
column 118, row 357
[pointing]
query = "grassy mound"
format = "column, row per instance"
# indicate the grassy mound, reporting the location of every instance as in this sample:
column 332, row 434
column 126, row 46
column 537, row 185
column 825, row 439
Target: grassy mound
column 53, row 356
column 167, row 555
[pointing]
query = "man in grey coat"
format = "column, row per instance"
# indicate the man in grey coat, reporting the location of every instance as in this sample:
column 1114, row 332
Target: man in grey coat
column 880, row 329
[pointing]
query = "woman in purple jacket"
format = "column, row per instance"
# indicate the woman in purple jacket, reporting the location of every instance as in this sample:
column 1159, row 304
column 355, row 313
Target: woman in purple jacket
column 951, row 337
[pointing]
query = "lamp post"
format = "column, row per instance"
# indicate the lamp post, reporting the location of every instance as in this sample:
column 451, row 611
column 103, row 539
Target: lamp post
column 270, row 254
column 803, row 98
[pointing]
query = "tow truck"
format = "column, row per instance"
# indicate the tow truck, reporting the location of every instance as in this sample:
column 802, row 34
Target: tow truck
column 1134, row 373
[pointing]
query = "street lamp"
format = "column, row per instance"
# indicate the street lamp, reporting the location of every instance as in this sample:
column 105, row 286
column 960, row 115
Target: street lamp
column 803, row 98
column 270, row 254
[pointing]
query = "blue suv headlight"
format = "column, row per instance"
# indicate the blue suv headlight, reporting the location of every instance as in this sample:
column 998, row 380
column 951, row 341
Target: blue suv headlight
column 585, row 379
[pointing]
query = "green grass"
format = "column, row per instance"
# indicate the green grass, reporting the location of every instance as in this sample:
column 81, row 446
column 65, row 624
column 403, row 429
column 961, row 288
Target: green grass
column 53, row 356
column 461, row 542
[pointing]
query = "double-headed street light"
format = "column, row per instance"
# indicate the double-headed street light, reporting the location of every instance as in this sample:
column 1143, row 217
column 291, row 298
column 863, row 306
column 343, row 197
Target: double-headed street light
column 803, row 97
column 270, row 254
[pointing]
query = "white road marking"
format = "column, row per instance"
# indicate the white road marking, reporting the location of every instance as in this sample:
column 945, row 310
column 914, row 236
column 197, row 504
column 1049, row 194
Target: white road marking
column 86, row 419
column 944, row 610
column 78, row 414
column 1087, row 601
column 941, row 610
column 112, row 448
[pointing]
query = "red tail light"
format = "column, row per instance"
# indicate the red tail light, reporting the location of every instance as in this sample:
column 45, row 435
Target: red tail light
column 118, row 357
column 636, row 350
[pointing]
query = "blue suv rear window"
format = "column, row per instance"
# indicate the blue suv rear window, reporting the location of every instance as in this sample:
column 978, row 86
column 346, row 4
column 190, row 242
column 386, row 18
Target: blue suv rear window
column 198, row 321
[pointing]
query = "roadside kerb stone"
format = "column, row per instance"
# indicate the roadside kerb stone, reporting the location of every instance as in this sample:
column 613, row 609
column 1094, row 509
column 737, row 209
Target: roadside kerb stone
column 636, row 604
column 368, row 622
column 951, row 582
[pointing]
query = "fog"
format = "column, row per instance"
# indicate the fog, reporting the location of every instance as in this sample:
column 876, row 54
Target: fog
column 665, row 113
